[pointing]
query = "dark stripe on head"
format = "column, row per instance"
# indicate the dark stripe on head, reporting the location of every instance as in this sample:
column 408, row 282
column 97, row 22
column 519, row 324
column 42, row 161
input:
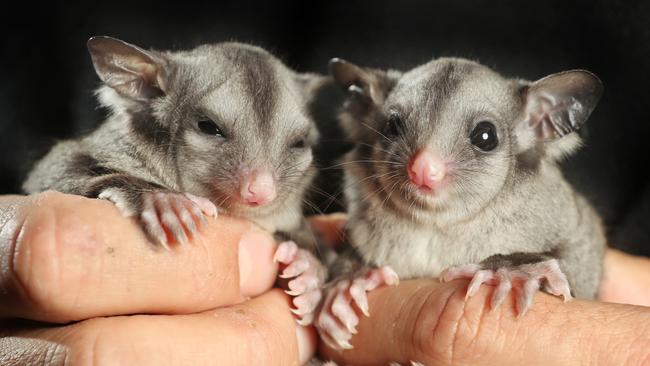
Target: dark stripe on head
column 445, row 82
column 145, row 126
column 261, row 84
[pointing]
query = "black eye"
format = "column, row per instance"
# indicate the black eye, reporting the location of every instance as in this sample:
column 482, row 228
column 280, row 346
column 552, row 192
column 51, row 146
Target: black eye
column 484, row 136
column 395, row 126
column 208, row 127
column 299, row 144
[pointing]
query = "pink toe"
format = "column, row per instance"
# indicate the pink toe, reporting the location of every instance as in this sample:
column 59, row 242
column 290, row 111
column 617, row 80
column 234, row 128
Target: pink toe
column 459, row 272
column 342, row 310
column 295, row 268
column 479, row 278
column 309, row 301
column 502, row 290
column 390, row 276
column 286, row 252
column 204, row 204
column 359, row 295
column 526, row 295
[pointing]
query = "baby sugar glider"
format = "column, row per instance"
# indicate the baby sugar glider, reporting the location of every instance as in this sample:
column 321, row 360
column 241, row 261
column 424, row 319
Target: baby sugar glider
column 223, row 125
column 454, row 174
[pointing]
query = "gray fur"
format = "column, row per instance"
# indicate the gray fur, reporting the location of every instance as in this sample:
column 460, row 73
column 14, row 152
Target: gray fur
column 151, row 140
column 510, row 201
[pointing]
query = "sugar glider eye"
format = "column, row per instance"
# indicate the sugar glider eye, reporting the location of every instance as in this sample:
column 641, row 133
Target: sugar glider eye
column 394, row 126
column 484, row 136
column 299, row 144
column 209, row 127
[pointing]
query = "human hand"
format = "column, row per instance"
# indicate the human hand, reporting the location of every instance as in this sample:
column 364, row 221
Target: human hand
column 66, row 258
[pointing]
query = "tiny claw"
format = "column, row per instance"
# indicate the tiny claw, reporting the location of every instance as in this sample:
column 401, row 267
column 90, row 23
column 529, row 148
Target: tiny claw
column 390, row 276
column 294, row 269
column 522, row 312
column 345, row 345
column 500, row 293
column 280, row 254
column 479, row 278
column 298, row 286
column 191, row 226
column 351, row 328
column 286, row 252
column 163, row 243
column 472, row 289
column 181, row 238
column 362, row 303
column 444, row 276
column 206, row 206
column 303, row 321
column 525, row 299
column 292, row 293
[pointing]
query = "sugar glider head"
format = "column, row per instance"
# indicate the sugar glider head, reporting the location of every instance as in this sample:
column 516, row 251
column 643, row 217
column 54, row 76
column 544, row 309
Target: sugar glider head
column 229, row 121
column 446, row 137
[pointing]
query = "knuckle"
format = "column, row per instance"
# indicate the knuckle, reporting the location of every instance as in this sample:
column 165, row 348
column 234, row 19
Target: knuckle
column 49, row 255
column 446, row 330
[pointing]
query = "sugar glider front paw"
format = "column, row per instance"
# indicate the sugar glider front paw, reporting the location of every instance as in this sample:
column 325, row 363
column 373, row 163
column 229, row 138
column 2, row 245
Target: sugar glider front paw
column 308, row 279
column 524, row 280
column 337, row 320
column 166, row 216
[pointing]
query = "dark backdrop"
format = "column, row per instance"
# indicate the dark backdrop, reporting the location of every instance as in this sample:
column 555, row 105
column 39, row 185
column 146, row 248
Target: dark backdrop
column 46, row 78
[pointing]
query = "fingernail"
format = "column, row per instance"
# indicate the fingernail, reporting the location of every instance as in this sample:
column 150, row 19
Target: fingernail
column 306, row 343
column 257, row 271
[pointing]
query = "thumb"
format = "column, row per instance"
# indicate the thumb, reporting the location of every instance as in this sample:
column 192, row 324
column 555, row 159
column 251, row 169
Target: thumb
column 257, row 270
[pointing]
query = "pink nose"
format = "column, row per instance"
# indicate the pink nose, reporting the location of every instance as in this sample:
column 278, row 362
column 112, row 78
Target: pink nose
column 426, row 170
column 258, row 187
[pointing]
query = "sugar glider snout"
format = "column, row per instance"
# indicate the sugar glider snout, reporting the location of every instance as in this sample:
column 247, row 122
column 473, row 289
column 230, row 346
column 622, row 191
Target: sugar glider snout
column 258, row 187
column 426, row 170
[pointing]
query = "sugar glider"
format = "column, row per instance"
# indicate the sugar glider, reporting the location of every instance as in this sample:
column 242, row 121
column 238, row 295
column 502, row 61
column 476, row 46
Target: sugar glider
column 454, row 174
column 222, row 125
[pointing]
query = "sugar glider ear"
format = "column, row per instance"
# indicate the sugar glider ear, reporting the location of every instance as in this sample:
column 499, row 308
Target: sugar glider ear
column 558, row 105
column 365, row 84
column 561, row 103
column 128, row 69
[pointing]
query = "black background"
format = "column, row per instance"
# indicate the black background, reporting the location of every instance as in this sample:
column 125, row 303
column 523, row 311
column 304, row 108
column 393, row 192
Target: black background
column 46, row 78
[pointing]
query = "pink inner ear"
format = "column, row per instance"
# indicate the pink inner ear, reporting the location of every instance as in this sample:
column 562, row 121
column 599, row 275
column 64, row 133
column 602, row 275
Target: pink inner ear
column 549, row 117
column 147, row 70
